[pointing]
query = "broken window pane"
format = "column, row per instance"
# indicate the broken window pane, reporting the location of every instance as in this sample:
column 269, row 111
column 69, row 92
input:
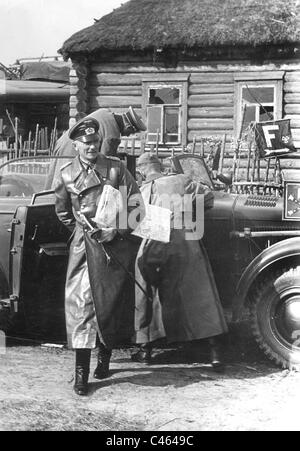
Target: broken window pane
column 169, row 96
column 266, row 113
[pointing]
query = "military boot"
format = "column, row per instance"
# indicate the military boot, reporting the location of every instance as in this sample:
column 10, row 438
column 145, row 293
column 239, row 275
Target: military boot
column 104, row 356
column 144, row 355
column 82, row 371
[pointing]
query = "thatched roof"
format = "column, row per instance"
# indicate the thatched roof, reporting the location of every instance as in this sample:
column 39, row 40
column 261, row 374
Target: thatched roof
column 151, row 24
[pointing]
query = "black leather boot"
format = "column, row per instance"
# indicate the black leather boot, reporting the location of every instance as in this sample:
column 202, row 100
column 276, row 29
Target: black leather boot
column 102, row 370
column 144, row 355
column 215, row 356
column 82, row 371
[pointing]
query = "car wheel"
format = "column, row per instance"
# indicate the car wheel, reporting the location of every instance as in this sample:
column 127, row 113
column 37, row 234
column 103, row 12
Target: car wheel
column 275, row 316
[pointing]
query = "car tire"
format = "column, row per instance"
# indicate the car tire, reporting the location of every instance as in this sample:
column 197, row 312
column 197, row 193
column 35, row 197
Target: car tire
column 275, row 316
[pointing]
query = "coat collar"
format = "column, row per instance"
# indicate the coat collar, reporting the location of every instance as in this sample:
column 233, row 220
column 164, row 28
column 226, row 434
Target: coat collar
column 82, row 180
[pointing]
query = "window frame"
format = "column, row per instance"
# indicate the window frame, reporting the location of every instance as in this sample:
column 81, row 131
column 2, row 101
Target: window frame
column 177, row 82
column 258, row 80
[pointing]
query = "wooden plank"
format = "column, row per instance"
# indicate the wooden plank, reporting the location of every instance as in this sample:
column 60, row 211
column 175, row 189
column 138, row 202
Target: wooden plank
column 292, row 87
column 212, row 78
column 210, row 124
column 112, row 79
column 115, row 91
column 115, row 101
column 259, row 75
column 221, row 100
column 292, row 98
column 211, row 112
column 211, row 88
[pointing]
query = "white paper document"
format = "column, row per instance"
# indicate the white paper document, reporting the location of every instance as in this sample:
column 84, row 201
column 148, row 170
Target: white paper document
column 110, row 204
column 156, row 225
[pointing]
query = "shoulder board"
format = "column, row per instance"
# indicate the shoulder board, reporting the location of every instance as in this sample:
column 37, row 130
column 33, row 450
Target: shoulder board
column 113, row 158
column 66, row 165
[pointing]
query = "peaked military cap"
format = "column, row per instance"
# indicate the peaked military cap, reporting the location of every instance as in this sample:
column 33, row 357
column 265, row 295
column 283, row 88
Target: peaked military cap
column 134, row 120
column 84, row 131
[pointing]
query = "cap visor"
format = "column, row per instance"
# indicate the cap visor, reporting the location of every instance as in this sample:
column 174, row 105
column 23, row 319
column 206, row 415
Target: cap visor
column 88, row 138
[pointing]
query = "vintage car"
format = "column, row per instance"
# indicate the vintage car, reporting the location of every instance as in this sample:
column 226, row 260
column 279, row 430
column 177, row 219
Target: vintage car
column 252, row 238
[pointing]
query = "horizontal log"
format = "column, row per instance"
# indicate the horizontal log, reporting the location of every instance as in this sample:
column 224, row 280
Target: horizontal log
column 221, row 100
column 115, row 91
column 80, row 105
column 111, row 79
column 78, row 93
column 209, row 133
column 116, row 101
column 117, row 110
column 292, row 109
column 292, row 98
column 296, row 134
column 213, row 78
column 210, row 112
column 210, row 124
column 73, row 112
column 211, row 89
column 292, row 87
column 297, row 144
column 295, row 123
column 292, row 76
column 79, row 70
column 79, row 83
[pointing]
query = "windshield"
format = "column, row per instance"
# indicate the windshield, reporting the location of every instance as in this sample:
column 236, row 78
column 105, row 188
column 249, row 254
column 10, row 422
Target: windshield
column 25, row 176
column 196, row 169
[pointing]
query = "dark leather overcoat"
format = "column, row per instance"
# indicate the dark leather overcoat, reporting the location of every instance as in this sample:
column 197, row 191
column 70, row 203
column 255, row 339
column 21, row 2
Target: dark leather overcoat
column 97, row 297
column 186, row 304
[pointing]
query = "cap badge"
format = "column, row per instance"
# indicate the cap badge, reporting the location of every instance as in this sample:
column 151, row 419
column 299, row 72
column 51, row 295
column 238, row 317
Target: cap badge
column 90, row 131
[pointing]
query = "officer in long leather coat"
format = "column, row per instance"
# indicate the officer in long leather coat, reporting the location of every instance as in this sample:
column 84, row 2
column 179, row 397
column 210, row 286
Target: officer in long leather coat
column 96, row 285
column 185, row 301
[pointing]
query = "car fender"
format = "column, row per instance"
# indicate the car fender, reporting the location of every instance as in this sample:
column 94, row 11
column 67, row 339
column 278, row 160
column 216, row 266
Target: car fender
column 285, row 249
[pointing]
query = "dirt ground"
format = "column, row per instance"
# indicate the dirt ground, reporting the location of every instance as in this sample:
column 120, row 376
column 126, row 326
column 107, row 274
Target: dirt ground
column 173, row 394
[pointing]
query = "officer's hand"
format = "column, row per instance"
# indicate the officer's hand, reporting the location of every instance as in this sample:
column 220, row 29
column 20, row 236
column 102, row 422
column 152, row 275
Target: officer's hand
column 108, row 235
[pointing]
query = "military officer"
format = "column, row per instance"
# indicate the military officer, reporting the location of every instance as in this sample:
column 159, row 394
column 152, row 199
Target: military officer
column 111, row 127
column 96, row 286
column 185, row 302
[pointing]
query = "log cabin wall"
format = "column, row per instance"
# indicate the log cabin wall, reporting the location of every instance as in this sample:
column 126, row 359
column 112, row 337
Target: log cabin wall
column 211, row 94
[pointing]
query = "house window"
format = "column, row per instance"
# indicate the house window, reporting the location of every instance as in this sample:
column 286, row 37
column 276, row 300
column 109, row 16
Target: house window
column 165, row 105
column 258, row 100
